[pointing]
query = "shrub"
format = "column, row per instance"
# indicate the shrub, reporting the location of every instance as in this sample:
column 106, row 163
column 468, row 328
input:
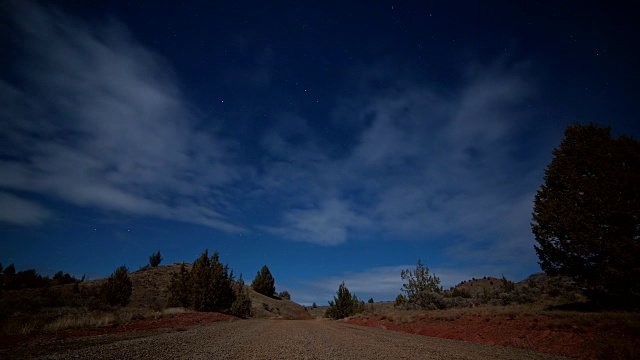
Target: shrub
column 284, row 295
column 420, row 286
column 264, row 282
column 10, row 270
column 400, row 300
column 155, row 259
column 242, row 304
column 179, row 287
column 313, row 306
column 117, row 289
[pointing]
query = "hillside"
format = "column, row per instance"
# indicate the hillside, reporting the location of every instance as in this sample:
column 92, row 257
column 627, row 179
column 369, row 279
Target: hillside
column 151, row 290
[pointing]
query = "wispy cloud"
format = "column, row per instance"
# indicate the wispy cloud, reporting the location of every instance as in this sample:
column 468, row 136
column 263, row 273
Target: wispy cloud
column 99, row 121
column 423, row 164
column 381, row 283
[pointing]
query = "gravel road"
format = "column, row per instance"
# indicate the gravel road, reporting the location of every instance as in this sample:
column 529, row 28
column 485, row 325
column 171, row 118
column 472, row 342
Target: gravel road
column 266, row 339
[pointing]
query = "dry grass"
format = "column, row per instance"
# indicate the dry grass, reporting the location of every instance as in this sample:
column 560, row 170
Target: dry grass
column 627, row 321
column 78, row 319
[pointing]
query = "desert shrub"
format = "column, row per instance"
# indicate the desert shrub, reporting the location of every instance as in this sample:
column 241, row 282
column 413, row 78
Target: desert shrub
column 64, row 278
column 26, row 279
column 507, row 285
column 242, row 304
column 10, row 270
column 155, row 259
column 464, row 293
column 118, row 287
column 284, row 295
column 264, row 282
column 561, row 287
column 421, row 287
column 401, row 300
column 344, row 304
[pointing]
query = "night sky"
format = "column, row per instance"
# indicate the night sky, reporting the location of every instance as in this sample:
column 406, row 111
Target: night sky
column 338, row 141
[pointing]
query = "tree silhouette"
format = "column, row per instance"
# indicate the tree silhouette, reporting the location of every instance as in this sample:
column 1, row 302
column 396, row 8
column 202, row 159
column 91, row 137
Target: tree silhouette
column 264, row 282
column 586, row 216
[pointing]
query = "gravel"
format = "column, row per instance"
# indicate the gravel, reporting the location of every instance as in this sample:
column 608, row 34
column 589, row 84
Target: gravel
column 265, row 339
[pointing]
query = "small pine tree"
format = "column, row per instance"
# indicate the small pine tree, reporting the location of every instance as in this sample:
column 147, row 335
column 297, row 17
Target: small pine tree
column 371, row 301
column 117, row 289
column 155, row 259
column 313, row 306
column 264, row 282
column 344, row 304
column 242, row 305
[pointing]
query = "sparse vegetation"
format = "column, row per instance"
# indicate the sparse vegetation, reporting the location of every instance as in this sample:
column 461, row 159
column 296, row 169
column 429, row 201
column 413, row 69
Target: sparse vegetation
column 284, row 295
column 264, row 282
column 155, row 259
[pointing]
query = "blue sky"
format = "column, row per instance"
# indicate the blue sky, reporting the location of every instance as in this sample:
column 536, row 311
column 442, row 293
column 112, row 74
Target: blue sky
column 331, row 142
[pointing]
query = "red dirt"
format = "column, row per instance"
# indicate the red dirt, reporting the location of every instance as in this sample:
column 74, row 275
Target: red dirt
column 179, row 321
column 536, row 333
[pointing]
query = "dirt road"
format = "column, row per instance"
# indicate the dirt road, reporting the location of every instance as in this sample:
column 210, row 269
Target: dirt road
column 265, row 339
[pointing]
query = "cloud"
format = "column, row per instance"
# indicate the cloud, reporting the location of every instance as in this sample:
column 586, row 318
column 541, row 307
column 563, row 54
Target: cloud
column 423, row 164
column 97, row 120
column 381, row 283
column 18, row 211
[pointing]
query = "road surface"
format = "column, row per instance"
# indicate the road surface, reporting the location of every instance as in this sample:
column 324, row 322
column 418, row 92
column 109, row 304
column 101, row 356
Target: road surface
column 266, row 339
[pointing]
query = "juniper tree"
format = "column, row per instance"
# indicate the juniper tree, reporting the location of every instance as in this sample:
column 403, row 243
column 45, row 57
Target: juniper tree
column 344, row 305
column 242, row 305
column 420, row 286
column 180, row 290
column 586, row 216
column 118, row 287
column 264, row 282
column 155, row 259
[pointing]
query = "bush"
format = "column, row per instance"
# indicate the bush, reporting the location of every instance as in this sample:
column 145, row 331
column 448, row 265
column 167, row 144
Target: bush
column 400, row 300
column 242, row 304
column 284, row 295
column 179, row 287
column 155, row 259
column 420, row 286
column 264, row 282
column 344, row 305
column 117, row 290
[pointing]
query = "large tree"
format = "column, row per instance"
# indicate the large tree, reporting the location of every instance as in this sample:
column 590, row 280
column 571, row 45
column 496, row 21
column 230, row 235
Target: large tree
column 586, row 217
